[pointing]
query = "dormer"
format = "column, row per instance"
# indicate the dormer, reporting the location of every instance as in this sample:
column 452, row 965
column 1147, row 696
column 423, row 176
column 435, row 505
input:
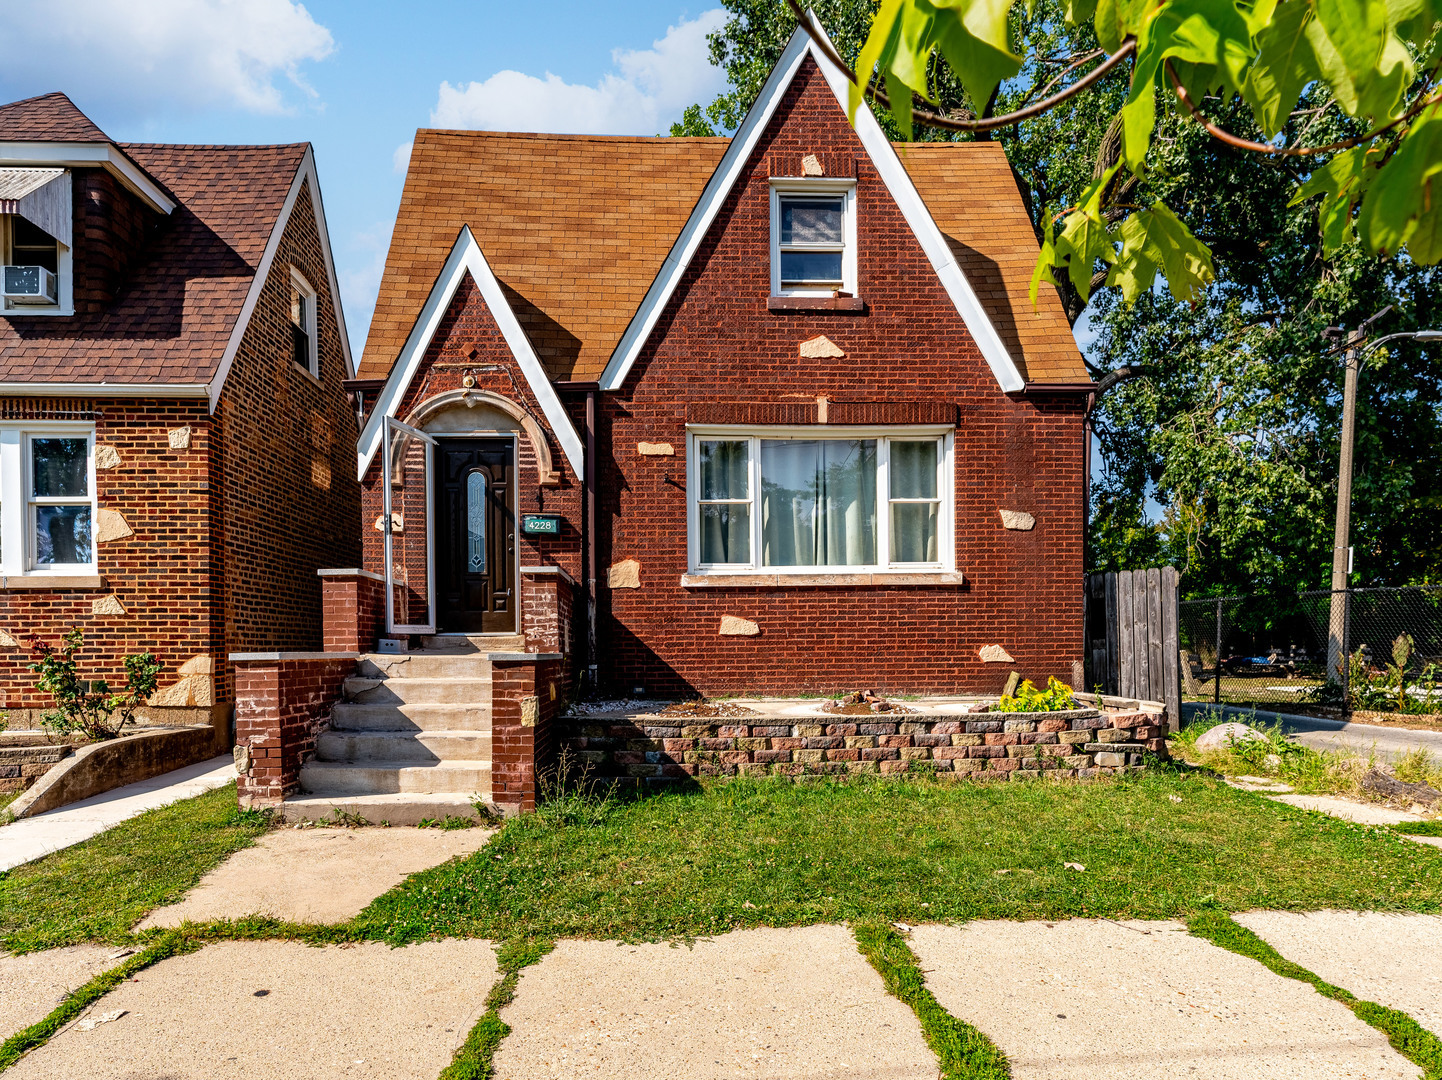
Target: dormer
column 74, row 210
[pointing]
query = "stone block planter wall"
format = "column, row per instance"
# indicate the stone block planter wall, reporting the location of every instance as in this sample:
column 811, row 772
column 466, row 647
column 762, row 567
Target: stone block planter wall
column 22, row 764
column 1081, row 744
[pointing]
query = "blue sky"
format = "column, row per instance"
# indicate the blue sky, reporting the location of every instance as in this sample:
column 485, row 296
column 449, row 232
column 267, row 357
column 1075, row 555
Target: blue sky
column 356, row 78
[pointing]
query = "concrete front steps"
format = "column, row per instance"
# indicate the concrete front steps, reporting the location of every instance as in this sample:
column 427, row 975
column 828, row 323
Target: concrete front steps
column 412, row 738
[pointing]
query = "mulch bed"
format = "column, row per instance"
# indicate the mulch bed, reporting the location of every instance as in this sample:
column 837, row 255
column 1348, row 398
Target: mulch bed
column 701, row 707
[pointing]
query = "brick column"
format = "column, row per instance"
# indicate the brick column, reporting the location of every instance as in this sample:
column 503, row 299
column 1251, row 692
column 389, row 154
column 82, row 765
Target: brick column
column 282, row 702
column 353, row 610
column 546, row 603
column 528, row 690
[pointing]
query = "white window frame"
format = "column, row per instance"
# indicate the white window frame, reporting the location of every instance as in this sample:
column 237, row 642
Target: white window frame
column 755, row 434
column 298, row 280
column 17, row 501
column 810, row 186
column 64, row 280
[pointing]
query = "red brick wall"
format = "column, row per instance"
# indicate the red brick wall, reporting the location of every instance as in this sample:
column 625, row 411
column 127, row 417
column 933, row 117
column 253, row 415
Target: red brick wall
column 111, row 228
column 353, row 612
column 165, row 574
column 289, row 499
column 717, row 343
column 523, row 742
column 280, row 708
column 468, row 341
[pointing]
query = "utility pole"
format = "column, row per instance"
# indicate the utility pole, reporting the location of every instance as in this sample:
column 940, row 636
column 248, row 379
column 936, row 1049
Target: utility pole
column 1341, row 537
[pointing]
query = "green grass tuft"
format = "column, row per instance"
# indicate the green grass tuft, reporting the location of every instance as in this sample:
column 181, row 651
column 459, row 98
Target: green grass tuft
column 1407, row 1037
column 1419, row 828
column 475, row 1059
column 97, row 890
column 963, row 1051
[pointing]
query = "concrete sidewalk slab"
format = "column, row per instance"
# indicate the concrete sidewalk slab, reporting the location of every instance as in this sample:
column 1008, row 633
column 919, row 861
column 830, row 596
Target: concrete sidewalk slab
column 1089, row 999
column 1389, row 958
column 315, row 875
column 800, row 1004
column 31, row 986
column 339, row 1012
column 1349, row 810
column 31, row 838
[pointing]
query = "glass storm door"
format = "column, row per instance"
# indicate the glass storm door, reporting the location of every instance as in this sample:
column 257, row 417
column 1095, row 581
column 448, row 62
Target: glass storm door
column 406, row 469
column 476, row 538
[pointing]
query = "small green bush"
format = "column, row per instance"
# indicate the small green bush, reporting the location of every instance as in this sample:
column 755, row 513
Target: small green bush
column 1055, row 698
column 89, row 709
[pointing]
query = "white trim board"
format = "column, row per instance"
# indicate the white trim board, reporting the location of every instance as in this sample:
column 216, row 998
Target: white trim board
column 107, row 155
column 466, row 258
column 893, row 175
column 305, row 174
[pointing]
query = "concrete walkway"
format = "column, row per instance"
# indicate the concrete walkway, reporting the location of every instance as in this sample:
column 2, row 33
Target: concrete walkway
column 1081, row 999
column 1388, row 743
column 31, row 838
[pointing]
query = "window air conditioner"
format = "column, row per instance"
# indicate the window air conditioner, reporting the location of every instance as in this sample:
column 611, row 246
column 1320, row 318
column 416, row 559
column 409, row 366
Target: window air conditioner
column 29, row 285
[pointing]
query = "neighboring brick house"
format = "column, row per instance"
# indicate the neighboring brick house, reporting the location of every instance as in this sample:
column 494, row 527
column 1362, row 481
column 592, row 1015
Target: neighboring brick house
column 175, row 440
column 783, row 399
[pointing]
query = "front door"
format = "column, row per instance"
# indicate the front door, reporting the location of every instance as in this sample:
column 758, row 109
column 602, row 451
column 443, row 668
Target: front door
column 476, row 536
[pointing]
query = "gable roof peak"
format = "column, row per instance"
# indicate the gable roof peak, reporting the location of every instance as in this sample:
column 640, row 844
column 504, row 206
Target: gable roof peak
column 49, row 117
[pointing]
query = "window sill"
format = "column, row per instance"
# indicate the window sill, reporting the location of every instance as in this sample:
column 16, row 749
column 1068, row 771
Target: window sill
column 816, row 303
column 791, row 581
column 54, row 582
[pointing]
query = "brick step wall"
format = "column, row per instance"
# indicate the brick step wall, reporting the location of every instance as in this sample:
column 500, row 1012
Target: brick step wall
column 652, row 749
column 21, row 766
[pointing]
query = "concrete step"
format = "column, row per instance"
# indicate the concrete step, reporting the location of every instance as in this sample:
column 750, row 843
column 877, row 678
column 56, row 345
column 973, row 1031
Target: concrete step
column 350, row 716
column 394, row 809
column 424, row 665
column 420, row 748
column 395, row 777
column 398, row 691
column 481, row 643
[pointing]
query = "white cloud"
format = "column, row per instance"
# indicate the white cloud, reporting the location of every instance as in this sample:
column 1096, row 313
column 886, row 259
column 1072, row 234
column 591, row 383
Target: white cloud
column 181, row 53
column 647, row 90
column 401, row 159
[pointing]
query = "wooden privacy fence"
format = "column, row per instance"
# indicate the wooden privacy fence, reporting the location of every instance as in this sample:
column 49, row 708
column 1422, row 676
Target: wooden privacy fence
column 1132, row 641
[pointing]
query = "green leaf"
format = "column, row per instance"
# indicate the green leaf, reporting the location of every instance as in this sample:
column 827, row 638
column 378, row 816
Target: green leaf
column 884, row 28
column 1332, row 66
column 1285, row 64
column 1342, row 182
column 1405, row 193
column 1156, row 239
column 1077, row 12
column 972, row 35
column 1134, row 271
column 1044, row 261
column 900, row 95
column 907, row 61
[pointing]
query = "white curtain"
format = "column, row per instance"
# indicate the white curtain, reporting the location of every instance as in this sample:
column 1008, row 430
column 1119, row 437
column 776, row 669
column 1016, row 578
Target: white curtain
column 818, row 502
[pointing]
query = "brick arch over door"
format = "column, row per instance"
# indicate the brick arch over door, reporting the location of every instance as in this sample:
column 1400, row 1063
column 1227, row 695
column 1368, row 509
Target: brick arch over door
column 431, row 407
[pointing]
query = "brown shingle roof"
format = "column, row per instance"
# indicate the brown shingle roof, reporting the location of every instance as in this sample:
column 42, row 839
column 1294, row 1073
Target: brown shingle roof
column 973, row 198
column 577, row 227
column 184, row 292
column 574, row 226
column 47, row 118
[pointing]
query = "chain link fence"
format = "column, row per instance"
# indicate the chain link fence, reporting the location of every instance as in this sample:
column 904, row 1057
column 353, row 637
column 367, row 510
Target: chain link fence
column 1377, row 649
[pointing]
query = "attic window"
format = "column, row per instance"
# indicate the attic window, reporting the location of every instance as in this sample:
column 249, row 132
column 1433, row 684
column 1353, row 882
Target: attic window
column 303, row 324
column 35, row 229
column 813, row 237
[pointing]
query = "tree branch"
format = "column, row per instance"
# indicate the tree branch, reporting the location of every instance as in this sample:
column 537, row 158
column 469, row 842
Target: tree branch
column 990, row 123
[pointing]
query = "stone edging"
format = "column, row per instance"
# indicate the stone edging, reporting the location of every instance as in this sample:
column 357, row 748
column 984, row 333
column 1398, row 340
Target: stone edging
column 650, row 749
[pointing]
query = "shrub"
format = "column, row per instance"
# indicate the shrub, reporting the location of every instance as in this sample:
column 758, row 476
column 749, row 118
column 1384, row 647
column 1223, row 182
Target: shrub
column 88, row 708
column 1055, row 698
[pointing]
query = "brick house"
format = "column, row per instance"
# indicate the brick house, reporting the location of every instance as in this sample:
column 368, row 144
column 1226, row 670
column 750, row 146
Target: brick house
column 175, row 441
column 771, row 413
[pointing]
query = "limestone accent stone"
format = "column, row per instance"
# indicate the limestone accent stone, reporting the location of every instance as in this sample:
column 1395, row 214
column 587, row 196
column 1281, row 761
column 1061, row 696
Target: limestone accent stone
column 530, row 711
column 994, row 654
column 820, row 347
column 398, row 523
column 811, row 166
column 200, row 664
column 180, row 438
column 655, row 449
column 625, row 574
column 240, row 752
column 188, row 690
column 1224, row 735
column 1017, row 519
column 107, row 605
column 111, row 525
column 734, row 626
column 106, row 457
column 8, row 642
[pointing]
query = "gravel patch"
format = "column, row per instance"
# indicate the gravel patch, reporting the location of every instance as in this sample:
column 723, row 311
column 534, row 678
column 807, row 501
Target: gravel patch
column 363, row 1011
column 1392, row 959
column 315, row 875
column 1091, row 999
column 799, row 1004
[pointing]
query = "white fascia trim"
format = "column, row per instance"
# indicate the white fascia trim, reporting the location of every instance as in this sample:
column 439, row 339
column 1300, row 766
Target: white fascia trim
column 106, row 155
column 304, row 174
column 55, row 389
column 893, row 175
column 466, row 257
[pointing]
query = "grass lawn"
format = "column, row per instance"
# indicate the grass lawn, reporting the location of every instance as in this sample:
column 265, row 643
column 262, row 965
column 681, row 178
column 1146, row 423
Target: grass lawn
column 769, row 853
column 98, row 889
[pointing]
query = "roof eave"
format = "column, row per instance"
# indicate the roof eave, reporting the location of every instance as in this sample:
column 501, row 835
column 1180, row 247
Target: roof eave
column 106, row 155
column 104, row 389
